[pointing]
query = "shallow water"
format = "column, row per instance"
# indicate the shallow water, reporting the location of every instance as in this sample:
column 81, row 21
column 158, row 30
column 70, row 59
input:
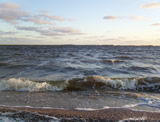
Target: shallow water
column 82, row 77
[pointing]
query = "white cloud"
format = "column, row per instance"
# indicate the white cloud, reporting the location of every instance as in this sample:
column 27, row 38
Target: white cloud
column 156, row 24
column 140, row 18
column 125, row 17
column 151, row 5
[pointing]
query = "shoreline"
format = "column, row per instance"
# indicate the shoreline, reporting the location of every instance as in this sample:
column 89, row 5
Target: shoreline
column 66, row 114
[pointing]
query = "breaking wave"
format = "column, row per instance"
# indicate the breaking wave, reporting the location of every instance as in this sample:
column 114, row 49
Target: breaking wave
column 151, row 84
column 4, row 64
column 112, row 61
column 19, row 84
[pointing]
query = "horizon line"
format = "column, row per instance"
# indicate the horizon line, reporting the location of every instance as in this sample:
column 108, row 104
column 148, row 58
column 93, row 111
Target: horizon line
column 72, row 45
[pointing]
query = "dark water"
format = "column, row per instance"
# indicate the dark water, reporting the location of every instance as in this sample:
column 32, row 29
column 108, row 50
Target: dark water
column 92, row 63
column 63, row 62
column 81, row 68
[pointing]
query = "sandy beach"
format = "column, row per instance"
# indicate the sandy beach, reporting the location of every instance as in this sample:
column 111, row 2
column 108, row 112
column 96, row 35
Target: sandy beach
column 64, row 114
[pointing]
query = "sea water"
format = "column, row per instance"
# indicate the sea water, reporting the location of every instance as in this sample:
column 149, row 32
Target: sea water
column 80, row 77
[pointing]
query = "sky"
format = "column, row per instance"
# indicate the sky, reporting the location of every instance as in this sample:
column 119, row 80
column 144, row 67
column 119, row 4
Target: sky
column 80, row 22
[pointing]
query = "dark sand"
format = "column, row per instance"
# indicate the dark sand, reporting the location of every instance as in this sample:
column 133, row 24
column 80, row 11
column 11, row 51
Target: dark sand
column 106, row 114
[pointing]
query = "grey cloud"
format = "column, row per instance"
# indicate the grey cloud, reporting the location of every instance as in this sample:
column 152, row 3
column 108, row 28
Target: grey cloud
column 49, row 33
column 67, row 30
column 59, row 31
column 45, row 32
column 44, row 19
column 111, row 17
column 27, row 28
column 7, row 33
column 38, row 20
column 9, row 5
column 11, row 40
column 11, row 12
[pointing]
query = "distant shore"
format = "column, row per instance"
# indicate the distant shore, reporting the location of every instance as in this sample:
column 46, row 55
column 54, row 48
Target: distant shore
column 79, row 45
column 63, row 114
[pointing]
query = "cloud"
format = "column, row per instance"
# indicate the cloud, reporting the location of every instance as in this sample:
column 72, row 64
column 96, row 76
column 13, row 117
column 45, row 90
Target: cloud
column 9, row 5
column 110, row 39
column 151, row 5
column 156, row 24
column 43, row 32
column 56, row 31
column 57, row 18
column 111, row 17
column 71, row 20
column 67, row 30
column 125, row 17
column 7, row 33
column 46, row 19
column 93, row 37
column 38, row 20
column 49, row 33
column 140, row 18
column 11, row 12
column 27, row 28
column 46, row 15
column 15, row 40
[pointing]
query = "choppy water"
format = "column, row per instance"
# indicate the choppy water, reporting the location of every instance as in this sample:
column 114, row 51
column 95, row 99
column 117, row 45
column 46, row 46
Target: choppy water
column 83, row 68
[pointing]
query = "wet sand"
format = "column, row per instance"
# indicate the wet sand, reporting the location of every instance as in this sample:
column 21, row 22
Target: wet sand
column 64, row 114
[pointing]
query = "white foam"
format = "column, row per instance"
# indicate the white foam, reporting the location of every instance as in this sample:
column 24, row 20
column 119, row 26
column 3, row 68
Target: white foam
column 86, row 109
column 9, row 119
column 130, row 106
column 5, row 118
column 116, row 83
column 127, row 119
column 43, row 63
column 18, row 84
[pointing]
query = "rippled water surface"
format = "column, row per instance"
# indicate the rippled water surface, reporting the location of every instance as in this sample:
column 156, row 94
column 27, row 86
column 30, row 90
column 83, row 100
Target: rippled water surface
column 65, row 62
column 83, row 69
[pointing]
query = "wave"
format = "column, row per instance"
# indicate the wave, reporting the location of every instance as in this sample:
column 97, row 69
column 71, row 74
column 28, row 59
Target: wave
column 124, row 57
column 19, row 84
column 140, row 68
column 151, row 84
column 4, row 64
column 112, row 61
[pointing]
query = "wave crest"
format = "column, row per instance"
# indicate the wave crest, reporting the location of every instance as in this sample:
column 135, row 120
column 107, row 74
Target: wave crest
column 151, row 84
column 19, row 84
